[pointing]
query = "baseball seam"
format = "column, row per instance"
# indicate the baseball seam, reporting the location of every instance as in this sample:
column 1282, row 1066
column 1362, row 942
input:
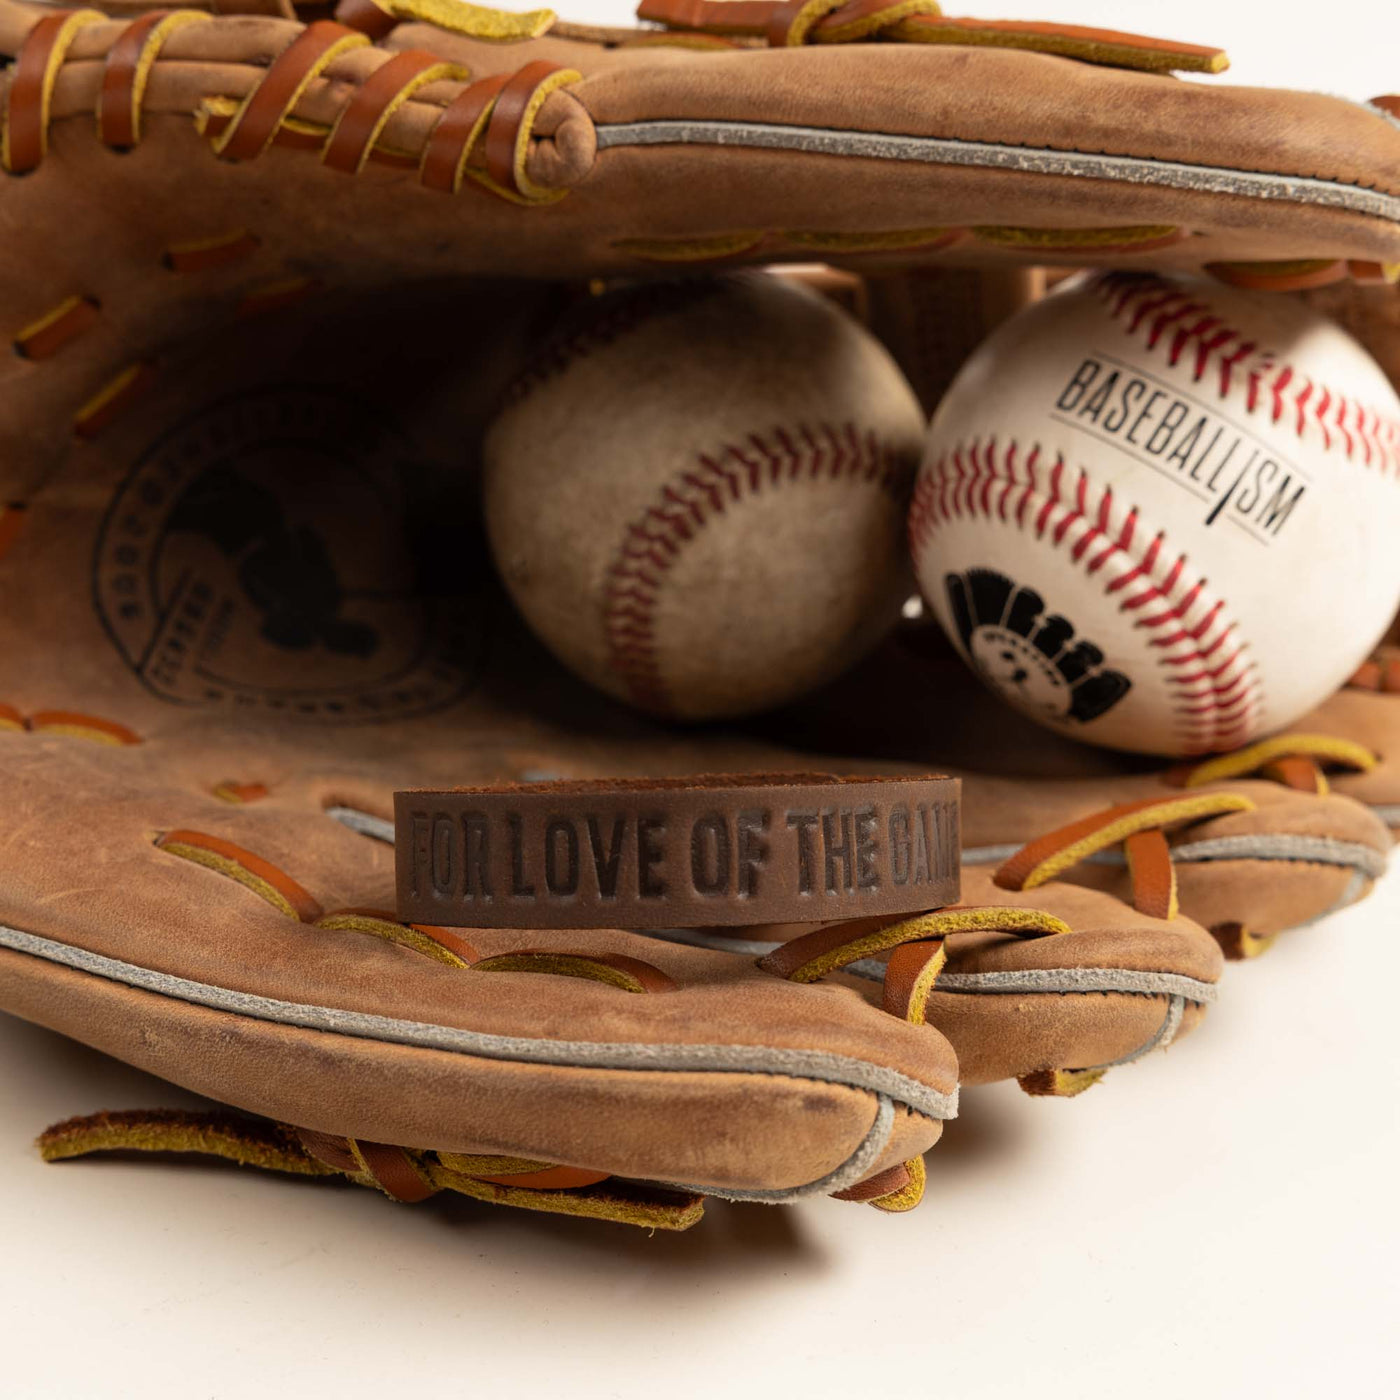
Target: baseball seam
column 1211, row 679
column 625, row 313
column 1172, row 320
column 693, row 499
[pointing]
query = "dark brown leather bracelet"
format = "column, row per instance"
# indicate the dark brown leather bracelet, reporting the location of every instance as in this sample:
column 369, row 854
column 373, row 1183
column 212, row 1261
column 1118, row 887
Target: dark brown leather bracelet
column 677, row 852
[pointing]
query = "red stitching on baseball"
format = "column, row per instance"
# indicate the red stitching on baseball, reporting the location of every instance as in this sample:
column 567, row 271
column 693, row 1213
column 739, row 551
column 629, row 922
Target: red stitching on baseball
column 1146, row 302
column 596, row 331
column 736, row 472
column 1215, row 699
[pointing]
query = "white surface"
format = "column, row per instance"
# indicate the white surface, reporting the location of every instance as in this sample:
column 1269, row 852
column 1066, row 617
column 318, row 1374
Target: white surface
column 1218, row 1221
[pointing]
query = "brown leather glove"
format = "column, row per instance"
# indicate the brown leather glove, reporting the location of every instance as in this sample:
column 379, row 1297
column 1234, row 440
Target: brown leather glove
column 264, row 154
column 275, row 613
column 245, row 592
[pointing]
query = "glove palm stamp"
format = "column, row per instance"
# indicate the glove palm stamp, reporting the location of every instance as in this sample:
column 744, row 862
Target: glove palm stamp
column 275, row 611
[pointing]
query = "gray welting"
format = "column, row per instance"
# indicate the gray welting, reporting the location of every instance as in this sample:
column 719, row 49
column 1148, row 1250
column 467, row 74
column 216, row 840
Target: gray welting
column 721, row 1059
column 929, row 150
column 854, row 1169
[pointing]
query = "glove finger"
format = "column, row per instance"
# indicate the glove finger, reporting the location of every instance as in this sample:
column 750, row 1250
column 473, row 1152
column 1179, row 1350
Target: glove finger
column 187, row 936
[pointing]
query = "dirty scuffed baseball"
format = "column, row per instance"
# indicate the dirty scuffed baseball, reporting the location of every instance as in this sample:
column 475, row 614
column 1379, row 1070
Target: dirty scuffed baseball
column 697, row 495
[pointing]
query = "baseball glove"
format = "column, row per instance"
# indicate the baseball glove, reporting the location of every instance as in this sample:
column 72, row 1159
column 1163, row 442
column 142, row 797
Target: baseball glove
column 267, row 631
column 246, row 597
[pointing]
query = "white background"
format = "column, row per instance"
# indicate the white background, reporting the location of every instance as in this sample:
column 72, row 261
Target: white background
column 1215, row 1221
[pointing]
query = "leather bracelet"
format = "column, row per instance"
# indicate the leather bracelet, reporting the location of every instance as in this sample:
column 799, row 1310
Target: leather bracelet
column 677, row 852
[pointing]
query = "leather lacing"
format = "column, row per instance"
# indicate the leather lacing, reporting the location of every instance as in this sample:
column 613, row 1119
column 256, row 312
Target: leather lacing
column 704, row 24
column 1303, row 274
column 917, row 954
column 68, row 722
column 916, row 947
column 1140, row 828
column 1298, row 761
column 789, row 23
column 1302, row 760
column 403, row 1175
column 1380, row 674
column 483, row 134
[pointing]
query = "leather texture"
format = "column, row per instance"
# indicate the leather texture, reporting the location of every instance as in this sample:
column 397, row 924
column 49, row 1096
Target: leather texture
column 875, row 155
column 1111, row 985
column 677, row 853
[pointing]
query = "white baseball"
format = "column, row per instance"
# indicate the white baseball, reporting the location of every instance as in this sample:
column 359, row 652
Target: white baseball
column 1161, row 515
column 698, row 497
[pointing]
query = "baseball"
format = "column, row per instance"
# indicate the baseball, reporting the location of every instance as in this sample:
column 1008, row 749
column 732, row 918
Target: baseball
column 1160, row 515
column 697, row 497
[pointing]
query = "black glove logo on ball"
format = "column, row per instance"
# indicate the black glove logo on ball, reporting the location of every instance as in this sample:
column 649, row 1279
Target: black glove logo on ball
column 1027, row 653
